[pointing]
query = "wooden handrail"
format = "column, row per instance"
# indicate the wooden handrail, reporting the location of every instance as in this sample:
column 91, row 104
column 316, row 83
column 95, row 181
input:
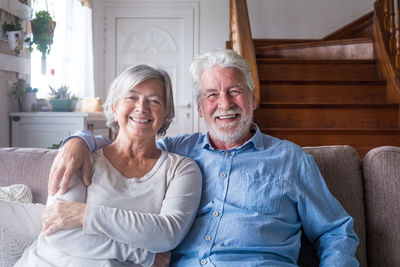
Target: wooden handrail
column 386, row 31
column 242, row 41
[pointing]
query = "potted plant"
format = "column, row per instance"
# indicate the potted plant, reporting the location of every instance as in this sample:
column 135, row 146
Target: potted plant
column 42, row 31
column 25, row 95
column 13, row 33
column 61, row 99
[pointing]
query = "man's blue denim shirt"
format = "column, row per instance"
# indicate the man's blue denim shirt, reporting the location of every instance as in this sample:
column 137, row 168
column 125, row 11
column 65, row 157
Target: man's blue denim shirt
column 256, row 201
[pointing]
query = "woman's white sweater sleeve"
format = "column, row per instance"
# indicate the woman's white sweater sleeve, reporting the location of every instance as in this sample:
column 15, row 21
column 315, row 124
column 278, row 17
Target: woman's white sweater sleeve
column 154, row 232
column 76, row 243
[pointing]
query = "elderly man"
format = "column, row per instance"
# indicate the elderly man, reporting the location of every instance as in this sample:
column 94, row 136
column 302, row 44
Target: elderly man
column 259, row 192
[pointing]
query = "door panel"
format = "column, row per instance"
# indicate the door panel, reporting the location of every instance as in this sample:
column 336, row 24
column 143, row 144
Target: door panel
column 163, row 37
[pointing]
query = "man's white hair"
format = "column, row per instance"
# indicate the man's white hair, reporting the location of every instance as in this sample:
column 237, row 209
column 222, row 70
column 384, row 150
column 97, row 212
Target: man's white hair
column 219, row 58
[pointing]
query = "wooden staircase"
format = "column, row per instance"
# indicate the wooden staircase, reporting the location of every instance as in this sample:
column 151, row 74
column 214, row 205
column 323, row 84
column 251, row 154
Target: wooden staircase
column 326, row 92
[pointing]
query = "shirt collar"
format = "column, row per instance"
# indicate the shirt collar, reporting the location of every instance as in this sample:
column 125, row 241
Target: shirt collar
column 256, row 140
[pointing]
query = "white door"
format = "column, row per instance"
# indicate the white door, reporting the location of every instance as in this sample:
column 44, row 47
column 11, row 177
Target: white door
column 162, row 36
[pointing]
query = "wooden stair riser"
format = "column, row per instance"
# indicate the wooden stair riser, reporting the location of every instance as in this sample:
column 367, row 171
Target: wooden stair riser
column 363, row 141
column 327, row 117
column 317, row 70
column 346, row 51
column 323, row 93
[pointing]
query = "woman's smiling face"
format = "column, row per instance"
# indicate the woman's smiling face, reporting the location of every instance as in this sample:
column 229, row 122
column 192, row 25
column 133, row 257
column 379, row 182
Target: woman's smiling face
column 141, row 112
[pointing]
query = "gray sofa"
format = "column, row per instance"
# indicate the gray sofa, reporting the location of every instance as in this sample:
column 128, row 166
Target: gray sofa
column 370, row 192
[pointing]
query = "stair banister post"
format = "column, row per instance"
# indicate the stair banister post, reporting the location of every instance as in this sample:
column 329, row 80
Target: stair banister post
column 392, row 28
column 397, row 56
column 386, row 18
column 242, row 41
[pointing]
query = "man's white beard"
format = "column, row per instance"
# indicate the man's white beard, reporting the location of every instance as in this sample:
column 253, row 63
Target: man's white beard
column 233, row 131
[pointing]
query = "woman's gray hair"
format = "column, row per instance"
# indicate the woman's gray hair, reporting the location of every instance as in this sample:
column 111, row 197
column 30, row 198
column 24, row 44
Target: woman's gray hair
column 219, row 58
column 128, row 79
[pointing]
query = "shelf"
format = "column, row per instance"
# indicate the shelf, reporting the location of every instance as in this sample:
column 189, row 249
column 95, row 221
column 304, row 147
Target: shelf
column 16, row 8
column 15, row 64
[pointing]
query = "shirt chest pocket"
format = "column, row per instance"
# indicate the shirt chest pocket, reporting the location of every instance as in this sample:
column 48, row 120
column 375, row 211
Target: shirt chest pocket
column 263, row 193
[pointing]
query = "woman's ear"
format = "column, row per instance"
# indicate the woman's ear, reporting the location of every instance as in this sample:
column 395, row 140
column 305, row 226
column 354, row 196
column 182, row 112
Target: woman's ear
column 114, row 111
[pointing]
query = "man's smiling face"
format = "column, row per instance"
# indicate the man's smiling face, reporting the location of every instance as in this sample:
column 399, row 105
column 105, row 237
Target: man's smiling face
column 226, row 104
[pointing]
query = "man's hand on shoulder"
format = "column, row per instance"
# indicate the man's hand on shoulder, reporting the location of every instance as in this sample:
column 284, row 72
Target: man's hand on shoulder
column 73, row 155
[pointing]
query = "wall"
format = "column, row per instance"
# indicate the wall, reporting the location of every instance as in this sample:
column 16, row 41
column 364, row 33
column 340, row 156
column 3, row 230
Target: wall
column 6, row 105
column 303, row 19
column 9, row 66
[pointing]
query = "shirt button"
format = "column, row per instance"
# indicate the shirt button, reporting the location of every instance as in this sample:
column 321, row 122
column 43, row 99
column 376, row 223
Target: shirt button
column 223, row 175
column 215, row 213
column 203, row 261
column 208, row 238
column 228, row 154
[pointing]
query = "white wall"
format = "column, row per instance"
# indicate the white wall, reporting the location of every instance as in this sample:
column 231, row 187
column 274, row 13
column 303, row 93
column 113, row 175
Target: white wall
column 4, row 109
column 303, row 19
column 280, row 19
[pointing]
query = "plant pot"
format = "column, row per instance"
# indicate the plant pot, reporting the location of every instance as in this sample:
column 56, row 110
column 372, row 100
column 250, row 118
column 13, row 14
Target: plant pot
column 28, row 102
column 61, row 104
column 14, row 38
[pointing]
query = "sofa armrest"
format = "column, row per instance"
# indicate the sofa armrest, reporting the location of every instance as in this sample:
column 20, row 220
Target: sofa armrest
column 381, row 170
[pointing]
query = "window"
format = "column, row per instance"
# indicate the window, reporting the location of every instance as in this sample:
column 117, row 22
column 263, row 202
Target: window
column 71, row 55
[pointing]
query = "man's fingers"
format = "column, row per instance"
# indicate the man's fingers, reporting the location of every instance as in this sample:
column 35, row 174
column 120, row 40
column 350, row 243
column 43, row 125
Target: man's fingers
column 65, row 181
column 54, row 180
column 86, row 172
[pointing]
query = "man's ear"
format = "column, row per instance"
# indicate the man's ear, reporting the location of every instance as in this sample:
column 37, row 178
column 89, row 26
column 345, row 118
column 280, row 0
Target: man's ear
column 199, row 111
column 254, row 103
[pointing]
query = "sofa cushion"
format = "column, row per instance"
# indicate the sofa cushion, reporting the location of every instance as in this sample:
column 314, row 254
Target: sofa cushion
column 29, row 166
column 381, row 169
column 340, row 166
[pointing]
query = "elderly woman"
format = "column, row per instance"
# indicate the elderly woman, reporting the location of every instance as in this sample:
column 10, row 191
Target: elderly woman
column 141, row 201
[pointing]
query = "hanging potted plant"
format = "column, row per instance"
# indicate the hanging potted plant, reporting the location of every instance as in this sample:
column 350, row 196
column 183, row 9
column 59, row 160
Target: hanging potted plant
column 14, row 34
column 42, row 30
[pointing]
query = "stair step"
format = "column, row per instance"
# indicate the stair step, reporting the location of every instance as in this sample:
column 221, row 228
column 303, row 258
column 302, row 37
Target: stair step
column 279, row 115
column 361, row 139
column 266, row 42
column 329, row 92
column 314, row 70
column 361, row 48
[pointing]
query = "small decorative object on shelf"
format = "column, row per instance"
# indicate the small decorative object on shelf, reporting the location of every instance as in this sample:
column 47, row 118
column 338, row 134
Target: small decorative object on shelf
column 43, row 28
column 61, row 99
column 25, row 95
column 14, row 34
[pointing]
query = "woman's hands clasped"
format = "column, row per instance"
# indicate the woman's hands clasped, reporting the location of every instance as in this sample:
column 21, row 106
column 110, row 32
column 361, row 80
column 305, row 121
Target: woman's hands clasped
column 62, row 215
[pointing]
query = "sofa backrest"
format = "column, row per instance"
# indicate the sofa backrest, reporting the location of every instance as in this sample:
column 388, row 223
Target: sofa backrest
column 381, row 170
column 30, row 166
column 340, row 166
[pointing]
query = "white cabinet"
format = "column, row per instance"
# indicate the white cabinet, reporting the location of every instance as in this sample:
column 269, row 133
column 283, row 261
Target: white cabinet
column 43, row 129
